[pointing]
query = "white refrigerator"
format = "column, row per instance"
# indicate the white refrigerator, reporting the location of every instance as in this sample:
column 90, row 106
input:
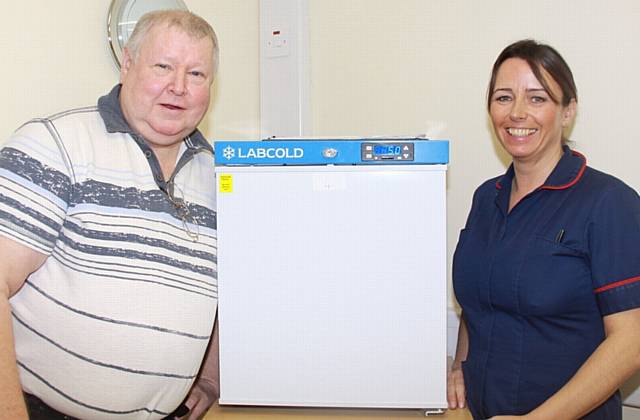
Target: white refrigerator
column 332, row 273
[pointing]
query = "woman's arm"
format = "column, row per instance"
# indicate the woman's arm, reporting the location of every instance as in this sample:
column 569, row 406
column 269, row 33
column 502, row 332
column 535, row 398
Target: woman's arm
column 613, row 362
column 455, row 380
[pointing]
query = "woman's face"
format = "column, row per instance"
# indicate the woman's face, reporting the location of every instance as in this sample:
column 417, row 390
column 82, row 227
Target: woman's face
column 527, row 122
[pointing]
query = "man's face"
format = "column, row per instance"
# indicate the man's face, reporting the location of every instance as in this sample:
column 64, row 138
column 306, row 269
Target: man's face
column 165, row 89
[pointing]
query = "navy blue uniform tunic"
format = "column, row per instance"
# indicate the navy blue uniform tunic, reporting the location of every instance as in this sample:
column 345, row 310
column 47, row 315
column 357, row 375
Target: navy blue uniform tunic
column 535, row 282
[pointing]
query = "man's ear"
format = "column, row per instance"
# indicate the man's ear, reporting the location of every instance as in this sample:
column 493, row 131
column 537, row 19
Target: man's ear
column 126, row 63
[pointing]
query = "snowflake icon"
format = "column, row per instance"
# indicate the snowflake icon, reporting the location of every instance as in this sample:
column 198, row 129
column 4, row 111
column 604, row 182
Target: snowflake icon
column 228, row 152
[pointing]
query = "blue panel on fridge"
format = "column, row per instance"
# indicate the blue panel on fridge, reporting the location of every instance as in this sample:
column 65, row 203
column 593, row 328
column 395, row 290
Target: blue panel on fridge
column 367, row 151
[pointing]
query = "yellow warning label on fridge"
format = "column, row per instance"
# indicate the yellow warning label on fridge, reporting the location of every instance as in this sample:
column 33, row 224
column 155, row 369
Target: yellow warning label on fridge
column 226, row 183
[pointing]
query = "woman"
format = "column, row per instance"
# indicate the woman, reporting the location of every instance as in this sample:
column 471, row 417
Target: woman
column 547, row 269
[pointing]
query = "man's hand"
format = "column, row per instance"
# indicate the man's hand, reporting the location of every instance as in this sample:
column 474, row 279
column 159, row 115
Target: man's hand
column 200, row 399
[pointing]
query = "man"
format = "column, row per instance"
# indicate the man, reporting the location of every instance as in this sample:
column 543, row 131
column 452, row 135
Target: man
column 108, row 284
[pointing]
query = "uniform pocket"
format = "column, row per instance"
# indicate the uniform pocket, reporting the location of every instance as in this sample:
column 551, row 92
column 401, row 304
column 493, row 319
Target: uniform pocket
column 553, row 279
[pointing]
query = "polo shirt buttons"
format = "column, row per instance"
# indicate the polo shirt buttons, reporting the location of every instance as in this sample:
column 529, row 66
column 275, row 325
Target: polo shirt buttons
column 147, row 154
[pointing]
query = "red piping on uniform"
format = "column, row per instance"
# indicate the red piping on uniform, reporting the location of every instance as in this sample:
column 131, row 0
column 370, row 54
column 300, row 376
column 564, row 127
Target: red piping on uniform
column 576, row 179
column 565, row 186
column 616, row 284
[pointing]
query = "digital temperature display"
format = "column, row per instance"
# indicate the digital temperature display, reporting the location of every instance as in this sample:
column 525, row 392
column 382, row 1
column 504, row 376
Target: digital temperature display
column 387, row 150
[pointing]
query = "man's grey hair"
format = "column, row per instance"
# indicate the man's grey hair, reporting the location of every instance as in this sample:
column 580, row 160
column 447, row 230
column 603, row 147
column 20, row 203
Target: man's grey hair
column 188, row 22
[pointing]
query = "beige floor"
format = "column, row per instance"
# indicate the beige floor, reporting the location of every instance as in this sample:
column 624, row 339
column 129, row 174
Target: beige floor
column 261, row 413
column 629, row 413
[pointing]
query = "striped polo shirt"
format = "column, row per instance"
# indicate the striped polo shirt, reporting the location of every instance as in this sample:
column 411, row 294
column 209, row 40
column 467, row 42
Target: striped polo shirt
column 115, row 323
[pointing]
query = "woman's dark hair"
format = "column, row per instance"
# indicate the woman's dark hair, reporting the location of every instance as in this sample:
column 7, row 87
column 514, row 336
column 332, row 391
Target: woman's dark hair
column 538, row 56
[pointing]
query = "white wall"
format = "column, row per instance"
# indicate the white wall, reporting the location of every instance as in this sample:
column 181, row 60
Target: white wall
column 53, row 57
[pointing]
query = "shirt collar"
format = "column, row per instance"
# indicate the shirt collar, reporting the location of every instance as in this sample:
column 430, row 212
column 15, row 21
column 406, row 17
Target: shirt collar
column 567, row 173
column 115, row 122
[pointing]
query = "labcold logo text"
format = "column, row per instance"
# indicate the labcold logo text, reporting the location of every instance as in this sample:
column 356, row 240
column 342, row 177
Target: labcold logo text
column 264, row 153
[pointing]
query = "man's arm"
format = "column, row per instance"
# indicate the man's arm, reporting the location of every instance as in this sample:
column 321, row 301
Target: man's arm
column 16, row 263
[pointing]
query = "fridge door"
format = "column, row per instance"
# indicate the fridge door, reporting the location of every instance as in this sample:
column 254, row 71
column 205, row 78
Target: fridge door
column 332, row 286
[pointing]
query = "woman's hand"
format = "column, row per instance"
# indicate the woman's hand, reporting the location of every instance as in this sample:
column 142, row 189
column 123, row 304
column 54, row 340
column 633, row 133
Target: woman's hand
column 456, row 395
